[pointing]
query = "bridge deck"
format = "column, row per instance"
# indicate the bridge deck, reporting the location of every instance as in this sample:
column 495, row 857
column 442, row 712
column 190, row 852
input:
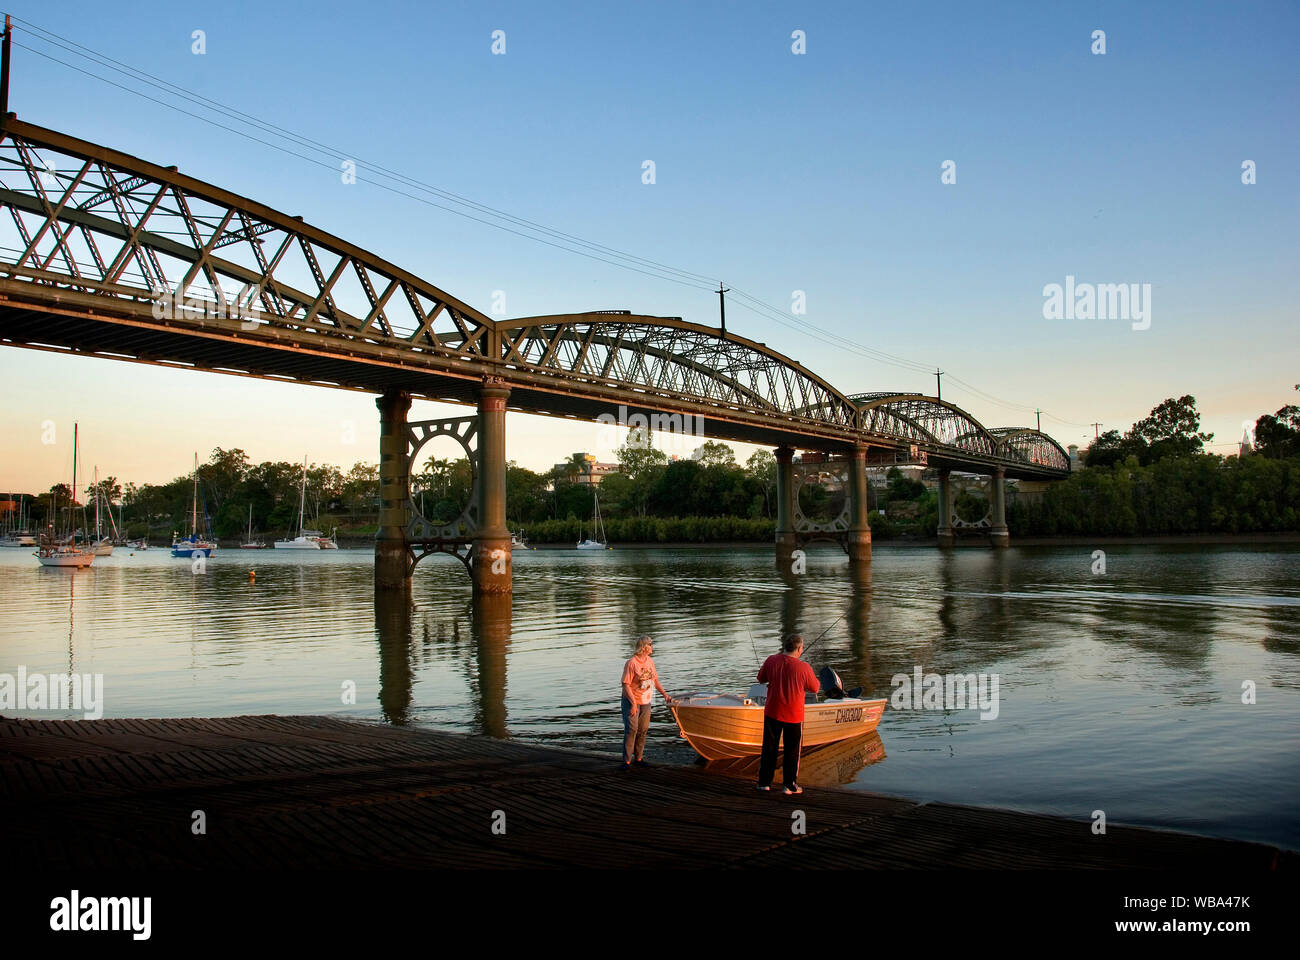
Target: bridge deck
column 313, row 792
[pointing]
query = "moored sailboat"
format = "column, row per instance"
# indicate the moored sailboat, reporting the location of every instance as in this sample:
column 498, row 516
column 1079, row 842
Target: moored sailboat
column 53, row 552
column 302, row 541
column 18, row 535
column 250, row 543
column 101, row 546
column 193, row 545
column 597, row 527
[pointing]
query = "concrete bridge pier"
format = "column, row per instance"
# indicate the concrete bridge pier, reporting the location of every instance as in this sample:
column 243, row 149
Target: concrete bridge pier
column 945, row 507
column 786, row 542
column 392, row 556
column 492, row 568
column 998, row 534
column 859, row 534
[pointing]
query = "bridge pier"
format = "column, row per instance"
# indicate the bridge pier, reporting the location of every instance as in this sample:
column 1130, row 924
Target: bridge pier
column 945, row 507
column 492, row 568
column 998, row 534
column 859, row 534
column 392, row 555
column 786, row 541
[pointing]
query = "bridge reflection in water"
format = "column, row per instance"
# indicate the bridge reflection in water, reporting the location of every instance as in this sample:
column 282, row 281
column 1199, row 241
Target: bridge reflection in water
column 491, row 620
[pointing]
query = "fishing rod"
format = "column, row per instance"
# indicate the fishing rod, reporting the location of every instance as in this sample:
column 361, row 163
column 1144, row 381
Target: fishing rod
column 824, row 632
column 752, row 645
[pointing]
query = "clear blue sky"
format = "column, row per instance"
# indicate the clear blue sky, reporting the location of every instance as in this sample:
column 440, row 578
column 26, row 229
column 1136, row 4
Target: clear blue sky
column 775, row 173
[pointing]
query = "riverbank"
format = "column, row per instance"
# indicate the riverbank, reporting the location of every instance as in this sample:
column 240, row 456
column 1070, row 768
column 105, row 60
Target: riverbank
column 309, row 792
column 1207, row 539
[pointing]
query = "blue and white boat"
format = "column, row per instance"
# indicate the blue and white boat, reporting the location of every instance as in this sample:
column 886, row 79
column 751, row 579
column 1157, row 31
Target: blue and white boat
column 193, row 545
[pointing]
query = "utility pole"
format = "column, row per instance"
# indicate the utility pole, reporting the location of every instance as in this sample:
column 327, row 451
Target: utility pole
column 4, row 68
column 1039, row 415
column 722, row 306
column 1095, row 428
column 938, row 384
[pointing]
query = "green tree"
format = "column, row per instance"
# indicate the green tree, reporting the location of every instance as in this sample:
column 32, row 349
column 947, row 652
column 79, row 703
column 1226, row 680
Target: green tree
column 761, row 470
column 642, row 464
column 361, row 489
column 1172, row 430
column 526, row 497
column 1111, row 448
column 713, row 453
column 1278, row 435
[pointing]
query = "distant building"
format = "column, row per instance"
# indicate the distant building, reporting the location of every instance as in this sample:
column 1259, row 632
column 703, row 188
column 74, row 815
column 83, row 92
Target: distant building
column 1246, row 446
column 591, row 471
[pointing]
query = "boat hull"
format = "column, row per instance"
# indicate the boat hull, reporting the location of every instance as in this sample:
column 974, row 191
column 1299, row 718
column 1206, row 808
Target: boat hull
column 190, row 549
column 830, row 765
column 66, row 558
column 723, row 727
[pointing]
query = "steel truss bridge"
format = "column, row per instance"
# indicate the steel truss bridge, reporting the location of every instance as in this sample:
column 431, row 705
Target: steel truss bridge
column 104, row 254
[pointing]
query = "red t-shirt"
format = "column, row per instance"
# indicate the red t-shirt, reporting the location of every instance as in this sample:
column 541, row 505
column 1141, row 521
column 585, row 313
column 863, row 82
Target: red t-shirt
column 787, row 678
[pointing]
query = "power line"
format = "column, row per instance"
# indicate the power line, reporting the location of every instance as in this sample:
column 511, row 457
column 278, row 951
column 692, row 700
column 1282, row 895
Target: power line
column 382, row 186
column 527, row 229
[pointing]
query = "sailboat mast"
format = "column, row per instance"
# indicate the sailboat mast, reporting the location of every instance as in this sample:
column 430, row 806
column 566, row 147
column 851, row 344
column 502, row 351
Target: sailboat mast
column 73, row 499
column 302, row 501
column 97, row 523
column 194, row 509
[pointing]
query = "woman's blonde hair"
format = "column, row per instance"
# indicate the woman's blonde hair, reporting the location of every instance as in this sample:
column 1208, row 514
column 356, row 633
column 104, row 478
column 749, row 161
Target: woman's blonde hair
column 642, row 642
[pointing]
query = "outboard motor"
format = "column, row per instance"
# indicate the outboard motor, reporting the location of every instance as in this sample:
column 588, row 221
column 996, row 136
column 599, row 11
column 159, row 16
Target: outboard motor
column 831, row 686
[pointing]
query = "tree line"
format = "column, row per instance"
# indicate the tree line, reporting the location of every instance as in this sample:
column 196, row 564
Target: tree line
column 1155, row 478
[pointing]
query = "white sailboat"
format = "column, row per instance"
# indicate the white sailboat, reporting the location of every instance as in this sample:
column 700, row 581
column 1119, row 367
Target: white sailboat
column 302, row 541
column 101, row 546
column 56, row 553
column 597, row 527
column 250, row 543
column 19, row 535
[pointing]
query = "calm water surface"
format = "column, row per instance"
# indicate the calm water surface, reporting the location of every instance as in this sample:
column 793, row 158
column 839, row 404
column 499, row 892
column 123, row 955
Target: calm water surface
column 1120, row 692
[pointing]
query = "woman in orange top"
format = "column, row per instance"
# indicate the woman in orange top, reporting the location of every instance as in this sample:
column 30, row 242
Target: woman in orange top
column 639, row 677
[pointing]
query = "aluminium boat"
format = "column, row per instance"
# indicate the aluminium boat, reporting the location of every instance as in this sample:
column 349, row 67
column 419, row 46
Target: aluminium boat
column 723, row 725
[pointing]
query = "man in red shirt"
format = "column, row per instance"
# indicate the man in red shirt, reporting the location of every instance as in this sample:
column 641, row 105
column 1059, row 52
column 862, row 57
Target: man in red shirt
column 787, row 678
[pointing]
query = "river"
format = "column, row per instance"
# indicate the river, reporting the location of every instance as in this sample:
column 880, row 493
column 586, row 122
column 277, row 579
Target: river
column 1119, row 691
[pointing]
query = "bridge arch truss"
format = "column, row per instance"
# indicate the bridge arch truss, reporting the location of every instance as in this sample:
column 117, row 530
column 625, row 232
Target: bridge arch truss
column 105, row 254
